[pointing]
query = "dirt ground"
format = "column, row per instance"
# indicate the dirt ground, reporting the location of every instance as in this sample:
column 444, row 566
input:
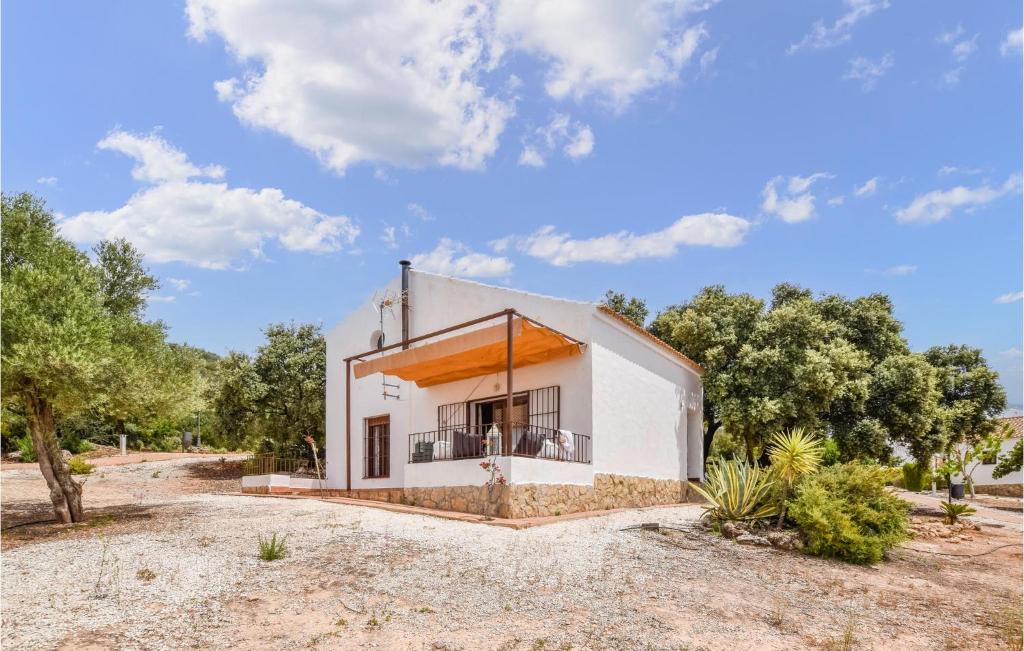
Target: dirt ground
column 168, row 560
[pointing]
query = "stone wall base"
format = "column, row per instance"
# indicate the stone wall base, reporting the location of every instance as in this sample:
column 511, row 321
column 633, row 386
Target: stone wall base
column 519, row 500
column 1005, row 490
column 374, row 494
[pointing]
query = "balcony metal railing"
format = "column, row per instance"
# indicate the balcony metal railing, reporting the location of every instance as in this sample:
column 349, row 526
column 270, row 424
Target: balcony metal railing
column 479, row 441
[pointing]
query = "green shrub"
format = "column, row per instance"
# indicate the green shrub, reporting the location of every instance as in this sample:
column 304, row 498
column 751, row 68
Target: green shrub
column 273, row 548
column 27, row 449
column 913, row 477
column 80, row 466
column 829, row 453
column 737, row 491
column 954, row 510
column 845, row 512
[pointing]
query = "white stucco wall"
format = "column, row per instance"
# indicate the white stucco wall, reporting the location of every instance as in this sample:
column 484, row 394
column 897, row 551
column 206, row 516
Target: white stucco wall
column 982, row 475
column 437, row 302
column 629, row 395
column 641, row 399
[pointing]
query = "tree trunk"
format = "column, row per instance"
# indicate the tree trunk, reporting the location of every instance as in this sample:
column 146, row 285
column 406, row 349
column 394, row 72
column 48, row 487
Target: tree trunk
column 65, row 492
column 709, row 438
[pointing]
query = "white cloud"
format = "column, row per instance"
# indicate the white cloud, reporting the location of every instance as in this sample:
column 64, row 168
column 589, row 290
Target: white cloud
column 416, row 83
column 867, row 71
column 1012, row 297
column 1013, row 42
column 707, row 60
column 581, row 144
column 951, row 78
column 939, row 204
column 202, row 223
column 452, row 258
column 837, row 201
column 821, row 37
column 560, row 249
column 795, row 203
column 946, row 170
column 609, row 49
column 575, row 139
column 153, row 298
column 869, row 188
column 180, row 284
column 949, row 37
column 419, row 212
column 47, row 180
column 900, row 270
column 389, row 237
column 530, row 157
column 156, row 160
column 964, row 49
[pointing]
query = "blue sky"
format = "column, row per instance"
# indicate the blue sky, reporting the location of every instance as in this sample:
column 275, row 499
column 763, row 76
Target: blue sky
column 275, row 163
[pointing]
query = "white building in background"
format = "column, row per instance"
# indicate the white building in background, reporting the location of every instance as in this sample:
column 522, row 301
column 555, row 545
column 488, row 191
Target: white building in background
column 1009, row 484
column 601, row 414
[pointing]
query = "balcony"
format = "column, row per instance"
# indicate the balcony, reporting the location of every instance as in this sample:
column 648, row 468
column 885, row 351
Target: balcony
column 481, row 441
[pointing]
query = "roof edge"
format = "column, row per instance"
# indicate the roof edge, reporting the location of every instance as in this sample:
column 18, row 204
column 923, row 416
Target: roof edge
column 629, row 325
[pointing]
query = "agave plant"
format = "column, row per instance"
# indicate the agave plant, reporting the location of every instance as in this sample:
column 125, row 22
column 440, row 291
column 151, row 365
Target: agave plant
column 954, row 510
column 794, row 453
column 736, row 491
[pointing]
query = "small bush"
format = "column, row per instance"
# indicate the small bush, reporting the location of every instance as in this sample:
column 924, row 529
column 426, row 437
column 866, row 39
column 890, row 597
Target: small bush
column 79, row 466
column 914, row 477
column 830, row 452
column 845, row 512
column 273, row 548
column 27, row 449
column 145, row 574
column 954, row 510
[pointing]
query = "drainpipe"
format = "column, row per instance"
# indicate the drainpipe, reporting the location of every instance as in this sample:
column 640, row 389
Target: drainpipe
column 405, row 302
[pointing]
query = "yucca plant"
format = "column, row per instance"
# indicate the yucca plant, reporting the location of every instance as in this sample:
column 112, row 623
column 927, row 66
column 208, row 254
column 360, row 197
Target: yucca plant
column 736, row 491
column 793, row 454
column 954, row 510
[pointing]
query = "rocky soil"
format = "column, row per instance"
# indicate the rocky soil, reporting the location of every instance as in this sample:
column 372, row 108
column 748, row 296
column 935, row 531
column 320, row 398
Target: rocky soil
column 166, row 562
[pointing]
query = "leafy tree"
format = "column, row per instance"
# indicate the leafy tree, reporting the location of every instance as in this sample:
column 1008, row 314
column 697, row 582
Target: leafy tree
column 292, row 365
column 634, row 309
column 56, row 336
column 828, row 364
column 904, row 401
column 788, row 374
column 711, row 330
column 970, row 394
column 152, row 379
column 239, row 389
column 1010, row 462
column 273, row 401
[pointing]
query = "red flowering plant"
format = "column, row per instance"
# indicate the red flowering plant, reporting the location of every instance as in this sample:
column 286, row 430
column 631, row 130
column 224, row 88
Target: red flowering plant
column 496, row 477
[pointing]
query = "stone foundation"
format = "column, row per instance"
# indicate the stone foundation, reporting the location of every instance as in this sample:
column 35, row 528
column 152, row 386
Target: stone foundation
column 1005, row 490
column 519, row 500
column 608, row 492
column 485, row 500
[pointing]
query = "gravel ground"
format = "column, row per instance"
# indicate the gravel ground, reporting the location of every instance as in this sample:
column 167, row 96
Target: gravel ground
column 355, row 577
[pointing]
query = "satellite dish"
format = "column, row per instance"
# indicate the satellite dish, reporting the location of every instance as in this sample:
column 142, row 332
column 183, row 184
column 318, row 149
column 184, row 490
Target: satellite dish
column 377, row 339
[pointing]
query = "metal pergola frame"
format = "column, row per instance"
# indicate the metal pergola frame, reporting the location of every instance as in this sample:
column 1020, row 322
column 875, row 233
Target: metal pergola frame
column 506, row 434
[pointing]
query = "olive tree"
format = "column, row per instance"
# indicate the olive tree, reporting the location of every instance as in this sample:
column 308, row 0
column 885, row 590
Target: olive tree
column 56, row 338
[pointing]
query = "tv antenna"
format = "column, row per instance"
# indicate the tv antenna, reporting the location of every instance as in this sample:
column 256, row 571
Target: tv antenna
column 384, row 302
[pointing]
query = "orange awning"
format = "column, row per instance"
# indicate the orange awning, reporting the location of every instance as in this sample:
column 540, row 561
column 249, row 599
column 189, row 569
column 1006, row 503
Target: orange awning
column 472, row 354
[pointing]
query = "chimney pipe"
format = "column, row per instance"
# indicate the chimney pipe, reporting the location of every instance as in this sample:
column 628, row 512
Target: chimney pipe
column 405, row 302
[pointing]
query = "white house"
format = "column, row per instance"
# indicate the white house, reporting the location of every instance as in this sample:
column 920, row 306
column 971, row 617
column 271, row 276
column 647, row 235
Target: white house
column 601, row 414
column 1010, row 484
